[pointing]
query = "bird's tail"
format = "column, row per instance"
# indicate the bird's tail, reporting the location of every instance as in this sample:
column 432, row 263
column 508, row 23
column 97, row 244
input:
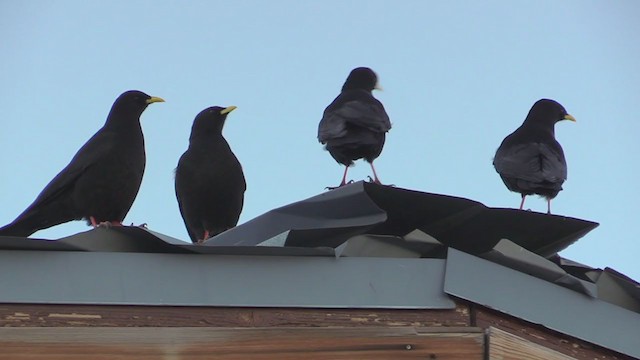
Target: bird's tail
column 39, row 216
column 17, row 228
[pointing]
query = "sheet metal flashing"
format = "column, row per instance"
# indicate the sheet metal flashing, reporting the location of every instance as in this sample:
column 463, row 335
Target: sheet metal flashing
column 221, row 280
column 359, row 246
column 541, row 302
column 142, row 240
column 516, row 257
column 329, row 219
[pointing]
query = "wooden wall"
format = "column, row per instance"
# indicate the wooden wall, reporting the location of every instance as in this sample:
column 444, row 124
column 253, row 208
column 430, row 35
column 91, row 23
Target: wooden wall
column 147, row 332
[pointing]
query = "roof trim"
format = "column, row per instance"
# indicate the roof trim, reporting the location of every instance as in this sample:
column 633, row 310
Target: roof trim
column 541, row 302
column 64, row 277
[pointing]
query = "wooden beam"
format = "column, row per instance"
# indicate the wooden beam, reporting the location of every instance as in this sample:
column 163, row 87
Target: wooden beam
column 506, row 346
column 247, row 343
column 487, row 318
column 17, row 315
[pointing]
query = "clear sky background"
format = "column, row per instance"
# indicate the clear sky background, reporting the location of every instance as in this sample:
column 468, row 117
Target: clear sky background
column 458, row 76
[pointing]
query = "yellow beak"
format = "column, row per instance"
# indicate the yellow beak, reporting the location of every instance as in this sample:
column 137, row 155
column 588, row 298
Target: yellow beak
column 570, row 118
column 228, row 110
column 154, row 99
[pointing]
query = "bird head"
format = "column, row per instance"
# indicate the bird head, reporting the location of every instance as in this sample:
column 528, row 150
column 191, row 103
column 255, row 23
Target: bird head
column 549, row 112
column 130, row 105
column 135, row 98
column 210, row 120
column 361, row 78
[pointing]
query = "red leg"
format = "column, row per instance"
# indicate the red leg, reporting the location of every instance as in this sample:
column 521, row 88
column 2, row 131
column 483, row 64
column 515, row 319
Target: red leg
column 94, row 223
column 205, row 237
column 343, row 182
column 375, row 176
column 344, row 176
column 522, row 202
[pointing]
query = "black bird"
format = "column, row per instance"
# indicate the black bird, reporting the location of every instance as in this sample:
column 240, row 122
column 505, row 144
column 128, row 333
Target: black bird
column 354, row 125
column 210, row 183
column 530, row 160
column 101, row 181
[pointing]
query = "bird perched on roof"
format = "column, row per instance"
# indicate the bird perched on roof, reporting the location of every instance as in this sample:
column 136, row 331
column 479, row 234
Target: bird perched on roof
column 355, row 124
column 210, row 184
column 530, row 160
column 103, row 178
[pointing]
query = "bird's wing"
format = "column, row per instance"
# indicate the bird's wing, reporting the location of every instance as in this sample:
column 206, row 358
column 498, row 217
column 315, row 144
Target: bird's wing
column 179, row 184
column 193, row 236
column 535, row 162
column 89, row 154
column 363, row 112
column 554, row 165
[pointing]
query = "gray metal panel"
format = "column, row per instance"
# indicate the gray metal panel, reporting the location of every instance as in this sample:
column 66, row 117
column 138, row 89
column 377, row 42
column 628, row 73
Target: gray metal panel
column 540, row 302
column 331, row 218
column 220, row 280
column 518, row 258
column 327, row 219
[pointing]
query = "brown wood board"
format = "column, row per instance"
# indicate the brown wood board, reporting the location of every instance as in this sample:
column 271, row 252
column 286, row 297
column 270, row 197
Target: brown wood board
column 246, row 343
column 487, row 318
column 19, row 315
column 506, row 346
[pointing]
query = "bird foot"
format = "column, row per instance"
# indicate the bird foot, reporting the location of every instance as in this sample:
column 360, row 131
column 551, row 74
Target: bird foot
column 341, row 185
column 205, row 237
column 108, row 224
column 376, row 181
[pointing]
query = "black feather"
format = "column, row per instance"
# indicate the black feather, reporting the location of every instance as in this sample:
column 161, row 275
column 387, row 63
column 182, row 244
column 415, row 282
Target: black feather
column 103, row 178
column 355, row 124
column 209, row 182
column 530, row 160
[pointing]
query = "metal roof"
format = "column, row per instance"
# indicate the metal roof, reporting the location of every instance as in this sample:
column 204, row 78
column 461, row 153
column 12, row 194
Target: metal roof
column 61, row 277
column 359, row 246
column 526, row 297
column 332, row 217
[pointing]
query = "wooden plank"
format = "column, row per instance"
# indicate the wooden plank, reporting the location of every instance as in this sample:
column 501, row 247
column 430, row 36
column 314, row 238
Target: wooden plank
column 506, row 346
column 485, row 318
column 246, row 343
column 16, row 315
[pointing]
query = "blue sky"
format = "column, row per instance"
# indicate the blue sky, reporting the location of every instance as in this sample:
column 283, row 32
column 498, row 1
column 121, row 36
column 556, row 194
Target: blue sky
column 458, row 76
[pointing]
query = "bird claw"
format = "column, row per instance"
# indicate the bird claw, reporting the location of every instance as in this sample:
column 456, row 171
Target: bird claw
column 374, row 181
column 341, row 185
column 142, row 226
column 108, row 224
